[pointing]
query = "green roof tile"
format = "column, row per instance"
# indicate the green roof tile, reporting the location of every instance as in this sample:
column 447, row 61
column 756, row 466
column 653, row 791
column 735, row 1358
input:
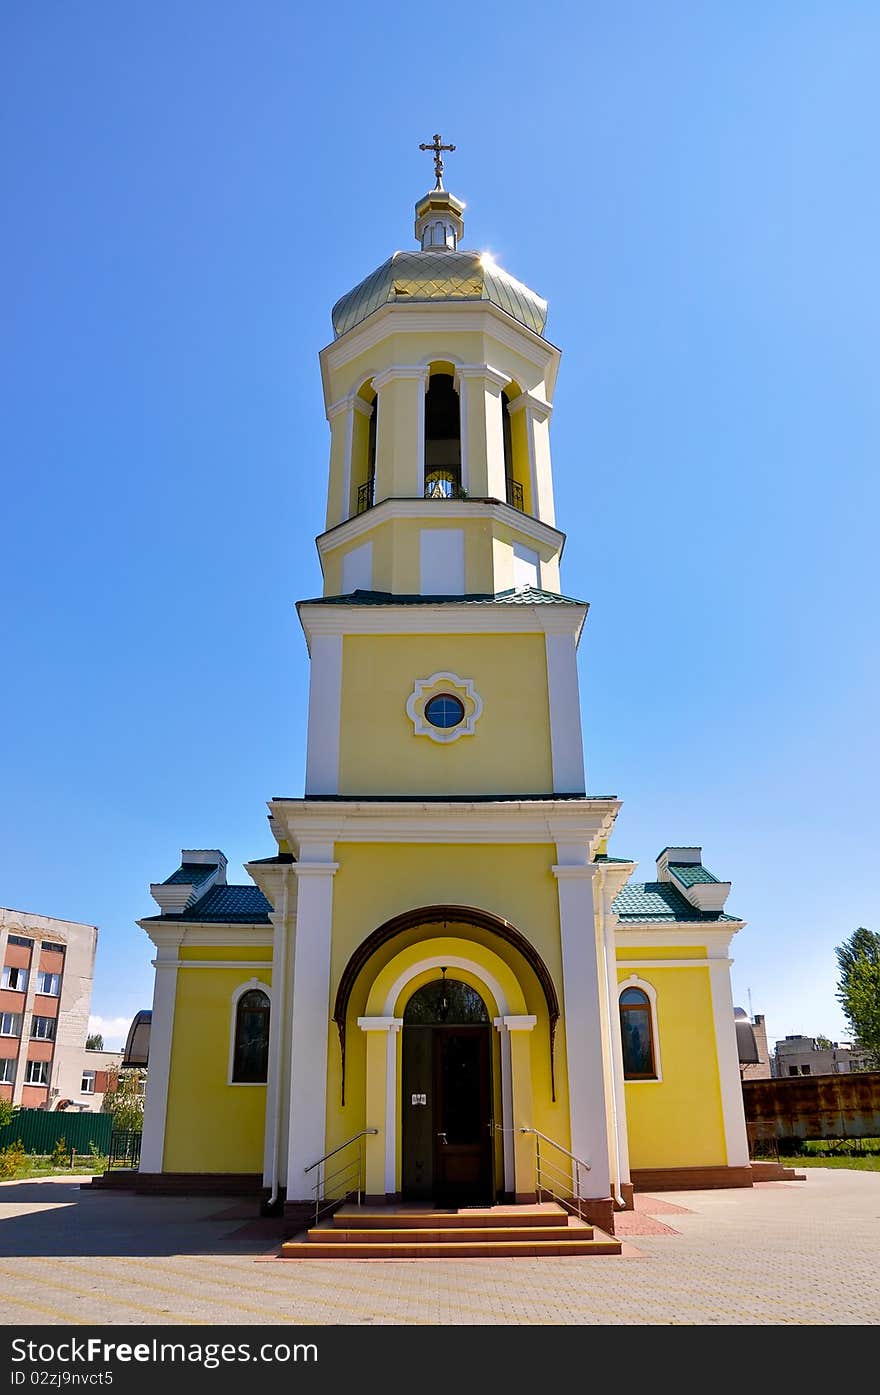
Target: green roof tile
column 236, row 905
column 528, row 595
column 691, row 873
column 651, row 902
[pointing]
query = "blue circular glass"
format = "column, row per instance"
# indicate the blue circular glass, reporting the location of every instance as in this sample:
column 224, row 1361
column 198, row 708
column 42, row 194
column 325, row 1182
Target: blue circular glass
column 444, row 711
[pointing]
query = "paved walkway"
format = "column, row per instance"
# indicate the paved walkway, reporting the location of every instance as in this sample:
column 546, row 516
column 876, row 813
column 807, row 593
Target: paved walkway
column 796, row 1253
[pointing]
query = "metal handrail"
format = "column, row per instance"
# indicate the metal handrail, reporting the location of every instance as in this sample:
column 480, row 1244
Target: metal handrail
column 554, row 1144
column 348, row 1141
column 549, row 1177
column 348, row 1175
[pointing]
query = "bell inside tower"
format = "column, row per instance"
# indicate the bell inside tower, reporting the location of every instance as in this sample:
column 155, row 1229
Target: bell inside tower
column 442, row 439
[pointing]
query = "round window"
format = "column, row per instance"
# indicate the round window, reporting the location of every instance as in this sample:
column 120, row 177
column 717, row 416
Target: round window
column 444, row 710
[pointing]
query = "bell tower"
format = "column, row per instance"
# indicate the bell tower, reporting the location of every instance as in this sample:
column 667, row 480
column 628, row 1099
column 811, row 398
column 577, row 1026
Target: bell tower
column 441, row 553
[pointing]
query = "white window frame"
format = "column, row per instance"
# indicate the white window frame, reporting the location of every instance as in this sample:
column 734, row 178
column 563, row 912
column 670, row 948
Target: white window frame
column 48, row 992
column 13, row 1017
column 8, row 970
column 43, row 1036
column 87, row 1089
column 651, row 992
column 237, row 993
column 43, row 1065
column 7, row 1079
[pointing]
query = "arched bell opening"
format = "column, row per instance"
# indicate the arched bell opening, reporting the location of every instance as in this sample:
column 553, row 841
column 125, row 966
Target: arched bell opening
column 363, row 452
column 442, row 436
column 517, row 476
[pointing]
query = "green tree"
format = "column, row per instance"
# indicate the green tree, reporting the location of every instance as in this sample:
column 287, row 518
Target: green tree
column 95, row 1042
column 124, row 1099
column 858, row 988
column 824, row 1043
column 7, row 1111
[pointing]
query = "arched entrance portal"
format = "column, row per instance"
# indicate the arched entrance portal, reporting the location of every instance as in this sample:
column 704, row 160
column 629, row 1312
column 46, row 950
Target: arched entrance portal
column 446, row 1100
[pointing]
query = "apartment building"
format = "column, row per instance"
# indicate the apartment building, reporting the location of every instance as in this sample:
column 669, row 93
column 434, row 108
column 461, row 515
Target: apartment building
column 45, row 996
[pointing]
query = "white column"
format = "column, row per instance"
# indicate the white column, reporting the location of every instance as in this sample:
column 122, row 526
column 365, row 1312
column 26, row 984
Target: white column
column 509, row 1123
column 309, row 1021
column 537, row 415
column 158, row 1075
column 277, row 1030
column 566, row 741
column 482, row 437
column 584, row 1046
column 617, row 1079
column 325, row 705
column 733, row 1112
column 390, row 1026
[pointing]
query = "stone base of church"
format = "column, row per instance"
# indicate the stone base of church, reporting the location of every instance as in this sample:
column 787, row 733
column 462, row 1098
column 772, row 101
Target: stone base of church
column 199, row 1183
column 688, row 1179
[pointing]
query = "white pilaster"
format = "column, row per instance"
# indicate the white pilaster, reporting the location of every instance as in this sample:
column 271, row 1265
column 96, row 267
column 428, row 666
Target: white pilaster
column 325, row 703
column 618, row 1094
column 735, row 1135
column 505, row 1025
column 537, row 416
column 158, row 1075
column 277, row 1031
column 584, row 1047
column 391, row 1026
column 309, row 1018
column 566, row 742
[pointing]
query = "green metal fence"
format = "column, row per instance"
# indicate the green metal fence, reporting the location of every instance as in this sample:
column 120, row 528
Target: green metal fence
column 39, row 1131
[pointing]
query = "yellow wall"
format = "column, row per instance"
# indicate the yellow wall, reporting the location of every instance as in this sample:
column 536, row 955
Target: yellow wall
column 379, row 750
column 211, row 1126
column 377, row 882
column 677, row 1121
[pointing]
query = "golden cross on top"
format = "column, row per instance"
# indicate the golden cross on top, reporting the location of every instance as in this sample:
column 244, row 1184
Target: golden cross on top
column 437, row 146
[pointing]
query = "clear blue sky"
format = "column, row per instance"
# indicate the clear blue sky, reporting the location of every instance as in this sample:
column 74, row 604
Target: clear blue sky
column 187, row 190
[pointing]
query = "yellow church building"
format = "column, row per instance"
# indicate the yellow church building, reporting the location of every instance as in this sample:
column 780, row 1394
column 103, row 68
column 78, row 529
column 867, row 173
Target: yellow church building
column 441, row 988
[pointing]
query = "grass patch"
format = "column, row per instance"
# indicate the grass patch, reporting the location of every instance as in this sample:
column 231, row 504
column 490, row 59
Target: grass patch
column 33, row 1165
column 866, row 1163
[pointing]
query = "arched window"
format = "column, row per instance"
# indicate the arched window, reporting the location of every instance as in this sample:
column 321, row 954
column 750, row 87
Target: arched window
column 442, row 439
column 250, row 1052
column 637, row 1035
column 512, row 472
column 446, row 1002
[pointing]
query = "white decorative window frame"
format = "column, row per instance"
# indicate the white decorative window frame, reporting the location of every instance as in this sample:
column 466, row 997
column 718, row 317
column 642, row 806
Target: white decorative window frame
column 651, row 993
column 435, row 686
column 238, row 993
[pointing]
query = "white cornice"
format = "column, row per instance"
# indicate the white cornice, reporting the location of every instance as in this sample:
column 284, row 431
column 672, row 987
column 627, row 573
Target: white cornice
column 637, row 936
column 476, row 316
column 449, row 821
column 195, row 934
column 536, row 405
column 495, row 509
column 496, row 376
column 353, row 402
column 417, row 372
column 464, row 619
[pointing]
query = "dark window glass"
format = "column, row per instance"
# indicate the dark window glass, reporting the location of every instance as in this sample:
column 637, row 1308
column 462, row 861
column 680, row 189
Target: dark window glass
column 636, row 1035
column 444, row 711
column 446, row 1000
column 21, row 940
column 251, row 1056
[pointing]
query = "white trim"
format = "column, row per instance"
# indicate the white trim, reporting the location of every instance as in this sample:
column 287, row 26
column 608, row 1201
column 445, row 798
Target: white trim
column 408, row 372
column 523, row 1022
column 507, row 1140
column 236, row 994
column 541, row 409
column 496, row 377
column 582, row 1020
column 437, row 961
column 159, row 1074
column 461, row 688
column 309, row 1019
column 733, row 1112
column 484, row 317
column 566, row 740
column 443, row 619
column 390, row 1025
column 196, row 933
column 675, row 935
column 669, row 963
column 651, row 994
column 220, row 963
column 325, row 707
column 497, row 510
column 583, row 821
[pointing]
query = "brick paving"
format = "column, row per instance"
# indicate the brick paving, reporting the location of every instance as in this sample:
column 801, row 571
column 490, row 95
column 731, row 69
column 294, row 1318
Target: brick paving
column 781, row 1253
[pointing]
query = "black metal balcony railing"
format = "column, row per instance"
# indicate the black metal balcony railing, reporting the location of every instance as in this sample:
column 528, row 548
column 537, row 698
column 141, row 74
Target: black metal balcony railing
column 366, row 495
column 515, row 494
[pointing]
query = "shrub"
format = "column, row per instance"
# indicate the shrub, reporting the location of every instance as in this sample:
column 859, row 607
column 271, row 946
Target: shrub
column 60, row 1153
column 11, row 1160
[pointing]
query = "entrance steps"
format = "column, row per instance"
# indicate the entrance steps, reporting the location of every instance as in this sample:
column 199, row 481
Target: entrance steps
column 492, row 1232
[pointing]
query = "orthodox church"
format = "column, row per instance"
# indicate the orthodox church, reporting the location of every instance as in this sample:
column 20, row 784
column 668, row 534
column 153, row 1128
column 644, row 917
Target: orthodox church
column 441, row 988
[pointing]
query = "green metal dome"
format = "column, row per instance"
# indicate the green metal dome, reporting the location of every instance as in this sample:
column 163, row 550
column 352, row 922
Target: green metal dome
column 412, row 277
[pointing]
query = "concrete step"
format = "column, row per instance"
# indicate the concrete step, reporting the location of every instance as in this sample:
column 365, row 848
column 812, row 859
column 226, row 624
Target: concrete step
column 451, row 1236
column 492, row 1248
column 350, row 1218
